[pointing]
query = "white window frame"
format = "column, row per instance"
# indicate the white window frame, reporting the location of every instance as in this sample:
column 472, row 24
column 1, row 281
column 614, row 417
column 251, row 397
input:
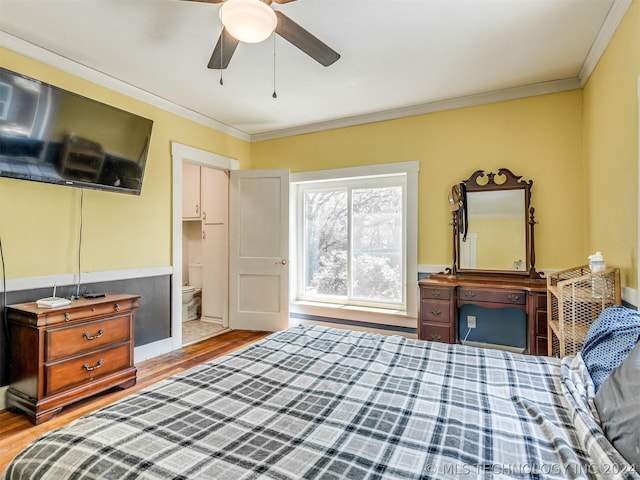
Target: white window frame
column 405, row 173
column 5, row 103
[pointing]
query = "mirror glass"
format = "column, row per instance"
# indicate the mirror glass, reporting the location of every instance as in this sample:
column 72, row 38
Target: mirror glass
column 496, row 232
column 493, row 224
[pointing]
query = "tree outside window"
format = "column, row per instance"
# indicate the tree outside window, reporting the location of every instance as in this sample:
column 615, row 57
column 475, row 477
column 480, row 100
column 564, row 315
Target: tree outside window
column 353, row 241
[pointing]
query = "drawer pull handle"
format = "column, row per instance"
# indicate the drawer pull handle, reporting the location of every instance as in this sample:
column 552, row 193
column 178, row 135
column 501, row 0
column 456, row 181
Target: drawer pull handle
column 513, row 297
column 67, row 316
column 436, row 337
column 117, row 307
column 469, row 294
column 435, row 293
column 95, row 367
column 435, row 312
column 93, row 337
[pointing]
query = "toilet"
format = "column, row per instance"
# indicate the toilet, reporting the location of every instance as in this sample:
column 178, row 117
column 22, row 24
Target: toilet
column 192, row 293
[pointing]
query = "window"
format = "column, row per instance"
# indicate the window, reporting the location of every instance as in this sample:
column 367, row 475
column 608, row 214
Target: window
column 351, row 240
column 6, row 92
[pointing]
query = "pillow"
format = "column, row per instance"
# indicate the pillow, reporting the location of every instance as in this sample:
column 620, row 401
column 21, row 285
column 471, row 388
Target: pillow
column 619, row 409
column 609, row 340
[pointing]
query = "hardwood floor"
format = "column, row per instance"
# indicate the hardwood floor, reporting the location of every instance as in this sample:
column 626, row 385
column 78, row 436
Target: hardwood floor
column 16, row 431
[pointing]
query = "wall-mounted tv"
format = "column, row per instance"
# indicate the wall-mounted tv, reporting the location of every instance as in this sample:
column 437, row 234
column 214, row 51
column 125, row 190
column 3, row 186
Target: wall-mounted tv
column 50, row 135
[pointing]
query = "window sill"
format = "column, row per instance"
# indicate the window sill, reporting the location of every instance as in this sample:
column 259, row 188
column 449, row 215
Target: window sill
column 381, row 316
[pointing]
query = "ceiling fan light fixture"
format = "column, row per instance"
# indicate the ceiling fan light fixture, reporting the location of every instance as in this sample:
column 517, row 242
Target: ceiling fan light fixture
column 250, row 21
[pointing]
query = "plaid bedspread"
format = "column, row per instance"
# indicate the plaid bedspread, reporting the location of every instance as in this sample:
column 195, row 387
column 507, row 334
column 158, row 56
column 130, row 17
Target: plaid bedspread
column 315, row 402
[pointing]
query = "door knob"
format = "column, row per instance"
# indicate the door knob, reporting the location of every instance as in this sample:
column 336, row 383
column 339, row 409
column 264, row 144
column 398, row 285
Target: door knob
column 282, row 262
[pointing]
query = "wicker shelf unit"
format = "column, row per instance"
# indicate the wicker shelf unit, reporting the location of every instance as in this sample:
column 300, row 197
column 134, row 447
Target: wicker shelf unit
column 575, row 298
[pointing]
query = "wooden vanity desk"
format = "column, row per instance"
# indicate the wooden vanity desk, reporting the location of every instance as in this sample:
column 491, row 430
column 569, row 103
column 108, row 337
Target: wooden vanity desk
column 441, row 295
column 493, row 260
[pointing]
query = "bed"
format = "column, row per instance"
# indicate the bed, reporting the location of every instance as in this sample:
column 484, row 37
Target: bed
column 315, row 402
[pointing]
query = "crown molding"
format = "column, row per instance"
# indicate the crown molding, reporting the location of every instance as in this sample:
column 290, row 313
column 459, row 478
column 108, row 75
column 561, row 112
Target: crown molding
column 614, row 17
column 543, row 88
column 48, row 57
column 616, row 13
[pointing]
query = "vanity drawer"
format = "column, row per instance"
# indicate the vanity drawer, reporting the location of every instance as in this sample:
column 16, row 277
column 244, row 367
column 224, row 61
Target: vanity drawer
column 435, row 311
column 80, row 370
column 86, row 337
column 435, row 333
column 435, row 293
column 478, row 295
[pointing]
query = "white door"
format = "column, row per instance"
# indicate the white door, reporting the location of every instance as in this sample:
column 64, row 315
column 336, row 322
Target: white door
column 258, row 248
column 468, row 251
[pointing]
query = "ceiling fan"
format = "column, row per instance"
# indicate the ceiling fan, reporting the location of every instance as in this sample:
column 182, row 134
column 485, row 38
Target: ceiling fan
column 235, row 14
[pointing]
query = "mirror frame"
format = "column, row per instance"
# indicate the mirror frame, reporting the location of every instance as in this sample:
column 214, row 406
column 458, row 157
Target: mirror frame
column 481, row 181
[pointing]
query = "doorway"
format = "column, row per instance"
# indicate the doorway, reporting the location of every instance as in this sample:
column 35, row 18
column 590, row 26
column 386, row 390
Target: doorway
column 183, row 154
column 205, row 252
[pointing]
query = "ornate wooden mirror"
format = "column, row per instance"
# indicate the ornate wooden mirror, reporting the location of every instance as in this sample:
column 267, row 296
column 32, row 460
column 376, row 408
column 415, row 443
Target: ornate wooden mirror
column 493, row 225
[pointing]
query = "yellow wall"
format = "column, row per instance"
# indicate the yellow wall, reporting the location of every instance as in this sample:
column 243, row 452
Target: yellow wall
column 39, row 223
column 611, row 150
column 537, row 137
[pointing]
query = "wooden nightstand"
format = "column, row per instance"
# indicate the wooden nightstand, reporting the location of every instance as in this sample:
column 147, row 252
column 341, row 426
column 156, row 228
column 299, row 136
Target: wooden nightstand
column 58, row 356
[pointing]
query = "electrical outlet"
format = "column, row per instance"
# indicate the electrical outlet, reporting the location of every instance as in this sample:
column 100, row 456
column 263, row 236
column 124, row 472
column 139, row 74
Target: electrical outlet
column 471, row 321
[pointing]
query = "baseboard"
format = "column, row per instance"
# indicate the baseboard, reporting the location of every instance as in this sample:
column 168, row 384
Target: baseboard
column 495, row 346
column 351, row 326
column 150, row 350
column 630, row 296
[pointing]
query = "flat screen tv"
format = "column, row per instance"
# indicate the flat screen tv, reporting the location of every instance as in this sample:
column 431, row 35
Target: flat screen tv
column 50, row 135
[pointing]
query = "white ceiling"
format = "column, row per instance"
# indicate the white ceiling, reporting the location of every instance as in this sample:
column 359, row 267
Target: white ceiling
column 398, row 57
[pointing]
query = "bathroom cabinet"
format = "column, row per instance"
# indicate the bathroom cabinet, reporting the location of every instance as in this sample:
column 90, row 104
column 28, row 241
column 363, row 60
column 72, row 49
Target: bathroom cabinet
column 215, row 272
column 190, row 191
column 214, row 192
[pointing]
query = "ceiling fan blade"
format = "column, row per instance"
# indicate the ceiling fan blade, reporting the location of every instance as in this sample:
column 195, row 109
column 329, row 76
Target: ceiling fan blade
column 305, row 41
column 223, row 52
column 208, row 1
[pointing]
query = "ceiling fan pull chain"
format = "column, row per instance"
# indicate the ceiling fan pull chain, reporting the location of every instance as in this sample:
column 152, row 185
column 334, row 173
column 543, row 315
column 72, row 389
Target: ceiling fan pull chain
column 221, row 50
column 275, row 95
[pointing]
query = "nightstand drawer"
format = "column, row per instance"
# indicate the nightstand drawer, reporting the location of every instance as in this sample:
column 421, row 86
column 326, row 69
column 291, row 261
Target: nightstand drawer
column 68, row 314
column 90, row 336
column 435, row 311
column 515, row 297
column 80, row 370
column 435, row 333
